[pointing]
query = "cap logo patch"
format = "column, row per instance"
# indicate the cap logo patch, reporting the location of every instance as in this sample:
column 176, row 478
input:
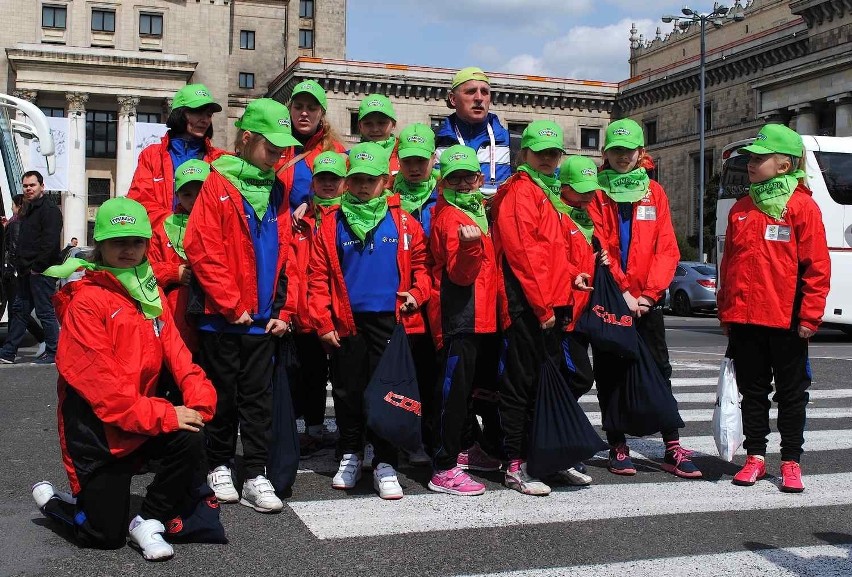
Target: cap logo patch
column 458, row 156
column 621, row 132
column 761, row 136
column 548, row 132
column 284, row 122
column 374, row 103
column 416, row 138
column 123, row 219
column 201, row 93
column 364, row 156
column 327, row 160
column 587, row 172
column 191, row 170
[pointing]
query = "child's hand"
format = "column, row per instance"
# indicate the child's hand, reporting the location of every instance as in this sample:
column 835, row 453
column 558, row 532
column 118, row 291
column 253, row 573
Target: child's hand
column 331, row 340
column 604, row 257
column 469, row 232
column 184, row 274
column 581, row 282
column 645, row 305
column 549, row 323
column 189, row 419
column 245, row 319
column 632, row 303
column 298, row 214
column 410, row 305
column 805, row 332
column 277, row 327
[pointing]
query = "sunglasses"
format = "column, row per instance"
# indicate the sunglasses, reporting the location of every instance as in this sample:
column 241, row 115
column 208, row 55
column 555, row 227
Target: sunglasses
column 457, row 179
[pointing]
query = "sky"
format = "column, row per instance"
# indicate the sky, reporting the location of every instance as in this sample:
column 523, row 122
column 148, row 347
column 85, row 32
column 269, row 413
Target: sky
column 582, row 39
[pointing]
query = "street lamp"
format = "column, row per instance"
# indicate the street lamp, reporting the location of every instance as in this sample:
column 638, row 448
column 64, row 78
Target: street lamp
column 716, row 18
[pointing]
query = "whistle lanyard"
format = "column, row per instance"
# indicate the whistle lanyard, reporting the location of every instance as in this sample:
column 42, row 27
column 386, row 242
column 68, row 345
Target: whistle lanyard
column 492, row 150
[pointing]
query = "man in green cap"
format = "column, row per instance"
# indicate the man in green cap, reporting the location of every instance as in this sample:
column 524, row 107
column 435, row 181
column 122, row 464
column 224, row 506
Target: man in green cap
column 473, row 125
column 190, row 125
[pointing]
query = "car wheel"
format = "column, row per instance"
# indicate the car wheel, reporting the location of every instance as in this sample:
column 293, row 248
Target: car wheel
column 681, row 305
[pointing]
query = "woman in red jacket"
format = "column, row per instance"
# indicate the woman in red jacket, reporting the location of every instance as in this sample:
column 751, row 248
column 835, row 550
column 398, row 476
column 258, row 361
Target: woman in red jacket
column 190, row 125
column 634, row 218
column 367, row 273
column 532, row 254
column 116, row 337
column 238, row 243
column 774, row 275
column 308, row 108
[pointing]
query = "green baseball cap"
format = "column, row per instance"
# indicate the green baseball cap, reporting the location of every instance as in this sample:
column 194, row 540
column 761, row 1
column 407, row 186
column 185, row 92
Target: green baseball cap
column 314, row 89
column 332, row 162
column 459, row 157
column 416, row 140
column 368, row 158
column 776, row 139
column 625, row 133
column 376, row 103
column 580, row 173
column 120, row 217
column 269, row 118
column 193, row 170
column 194, row 96
column 542, row 135
column 466, row 74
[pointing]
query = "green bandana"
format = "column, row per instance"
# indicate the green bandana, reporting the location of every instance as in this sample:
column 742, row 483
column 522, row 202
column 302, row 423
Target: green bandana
column 387, row 144
column 470, row 203
column 414, row 196
column 253, row 183
column 363, row 217
column 139, row 282
column 320, row 203
column 581, row 218
column 175, row 227
column 771, row 196
column 628, row 187
column 551, row 186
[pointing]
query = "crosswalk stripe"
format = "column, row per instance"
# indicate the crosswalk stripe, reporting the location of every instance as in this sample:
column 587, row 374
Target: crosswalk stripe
column 698, row 415
column 815, row 394
column 371, row 516
column 789, row 562
column 693, row 366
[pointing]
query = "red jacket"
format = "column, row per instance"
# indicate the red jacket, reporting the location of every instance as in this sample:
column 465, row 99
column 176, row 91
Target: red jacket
column 765, row 271
column 527, row 232
column 465, row 279
column 653, row 255
column 329, row 302
column 166, row 264
column 109, row 360
column 219, row 248
column 302, row 246
column 581, row 259
column 153, row 183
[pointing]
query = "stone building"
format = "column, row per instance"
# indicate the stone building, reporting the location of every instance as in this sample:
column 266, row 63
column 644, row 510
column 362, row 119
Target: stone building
column 418, row 93
column 785, row 62
column 108, row 64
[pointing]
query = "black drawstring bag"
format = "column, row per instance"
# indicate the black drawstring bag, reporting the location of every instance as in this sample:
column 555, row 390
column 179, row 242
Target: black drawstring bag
column 392, row 399
column 561, row 434
column 283, row 459
column 607, row 320
column 644, row 404
column 199, row 522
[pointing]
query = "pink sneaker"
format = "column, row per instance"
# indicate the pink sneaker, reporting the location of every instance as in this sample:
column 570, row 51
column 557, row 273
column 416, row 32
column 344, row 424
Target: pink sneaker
column 475, row 459
column 455, row 482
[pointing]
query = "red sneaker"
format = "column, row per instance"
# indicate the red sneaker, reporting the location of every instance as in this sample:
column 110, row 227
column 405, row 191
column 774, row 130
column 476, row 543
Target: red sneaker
column 791, row 477
column 753, row 470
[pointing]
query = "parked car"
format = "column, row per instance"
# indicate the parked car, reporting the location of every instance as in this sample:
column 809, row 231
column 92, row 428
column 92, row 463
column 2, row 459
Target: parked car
column 693, row 288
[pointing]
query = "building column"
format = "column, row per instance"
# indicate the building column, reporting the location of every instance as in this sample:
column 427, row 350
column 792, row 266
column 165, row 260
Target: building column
column 806, row 120
column 843, row 114
column 76, row 201
column 776, row 116
column 125, row 165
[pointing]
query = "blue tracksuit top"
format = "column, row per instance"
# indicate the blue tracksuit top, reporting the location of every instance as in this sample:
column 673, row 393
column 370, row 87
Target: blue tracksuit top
column 370, row 269
column 301, row 189
column 476, row 137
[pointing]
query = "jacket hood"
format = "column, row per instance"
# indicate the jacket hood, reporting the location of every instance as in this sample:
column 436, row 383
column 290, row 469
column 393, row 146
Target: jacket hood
column 62, row 298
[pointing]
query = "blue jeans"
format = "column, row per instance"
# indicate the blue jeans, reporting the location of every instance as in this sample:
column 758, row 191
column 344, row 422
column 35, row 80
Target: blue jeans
column 34, row 291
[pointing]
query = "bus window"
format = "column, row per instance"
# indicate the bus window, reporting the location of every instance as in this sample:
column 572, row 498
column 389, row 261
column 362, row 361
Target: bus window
column 836, row 168
column 734, row 180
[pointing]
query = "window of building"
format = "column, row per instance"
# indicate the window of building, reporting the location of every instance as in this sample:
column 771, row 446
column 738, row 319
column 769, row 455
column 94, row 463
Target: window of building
column 53, row 16
column 306, row 8
column 246, row 39
column 650, row 132
column 306, row 38
column 151, row 117
column 353, row 122
column 101, row 134
column 436, row 122
column 103, row 21
column 99, row 191
column 246, row 80
column 590, row 138
column 53, row 111
column 517, row 127
column 150, row 24
column 708, row 117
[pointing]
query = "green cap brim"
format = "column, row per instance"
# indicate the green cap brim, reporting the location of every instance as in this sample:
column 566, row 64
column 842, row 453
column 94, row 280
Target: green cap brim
column 341, row 174
column 623, row 144
column 414, row 152
column 368, row 170
column 281, row 140
column 539, row 146
column 755, row 149
column 583, row 187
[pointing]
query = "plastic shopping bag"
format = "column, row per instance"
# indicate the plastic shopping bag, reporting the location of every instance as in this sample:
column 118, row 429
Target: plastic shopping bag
column 727, row 416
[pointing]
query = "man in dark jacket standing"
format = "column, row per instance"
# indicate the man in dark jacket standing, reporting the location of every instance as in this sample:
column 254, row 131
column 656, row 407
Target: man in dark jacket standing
column 38, row 248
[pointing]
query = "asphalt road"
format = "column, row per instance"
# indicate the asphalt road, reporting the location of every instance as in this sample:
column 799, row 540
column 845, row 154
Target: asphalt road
column 649, row 524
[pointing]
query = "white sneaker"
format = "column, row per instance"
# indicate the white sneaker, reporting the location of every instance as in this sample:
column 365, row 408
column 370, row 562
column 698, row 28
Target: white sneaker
column 386, row 483
column 43, row 491
column 419, row 458
column 42, row 347
column 147, row 536
column 348, row 472
column 220, row 480
column 259, row 494
column 572, row 476
column 522, row 482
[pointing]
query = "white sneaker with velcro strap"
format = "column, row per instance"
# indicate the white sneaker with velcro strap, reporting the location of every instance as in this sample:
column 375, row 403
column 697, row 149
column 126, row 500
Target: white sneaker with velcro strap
column 222, row 483
column 259, row 494
column 147, row 536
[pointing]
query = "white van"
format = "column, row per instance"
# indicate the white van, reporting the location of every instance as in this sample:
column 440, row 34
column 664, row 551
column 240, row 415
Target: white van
column 829, row 169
